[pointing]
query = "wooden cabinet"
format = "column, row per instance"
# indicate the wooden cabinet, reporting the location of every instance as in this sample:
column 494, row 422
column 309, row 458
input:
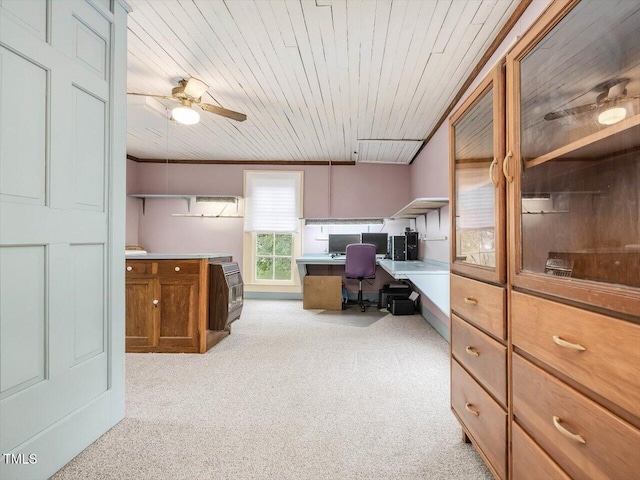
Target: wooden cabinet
column 476, row 149
column 574, row 170
column 573, row 175
column 167, row 306
column 478, row 264
column 571, row 292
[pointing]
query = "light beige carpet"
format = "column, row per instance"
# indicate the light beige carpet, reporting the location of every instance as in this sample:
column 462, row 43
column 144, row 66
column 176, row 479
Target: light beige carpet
column 289, row 397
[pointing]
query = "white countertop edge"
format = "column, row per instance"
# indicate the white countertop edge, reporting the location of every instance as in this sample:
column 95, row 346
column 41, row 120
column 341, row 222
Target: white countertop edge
column 177, row 256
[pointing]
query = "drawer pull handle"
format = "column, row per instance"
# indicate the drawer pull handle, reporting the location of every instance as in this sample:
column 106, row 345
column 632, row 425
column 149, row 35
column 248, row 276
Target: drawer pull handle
column 155, row 303
column 471, row 410
column 177, row 269
column 567, row 433
column 129, row 268
column 471, row 351
column 470, row 300
column 565, row 344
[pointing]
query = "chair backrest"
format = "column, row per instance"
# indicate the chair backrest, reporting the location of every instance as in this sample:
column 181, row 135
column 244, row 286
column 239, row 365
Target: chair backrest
column 360, row 261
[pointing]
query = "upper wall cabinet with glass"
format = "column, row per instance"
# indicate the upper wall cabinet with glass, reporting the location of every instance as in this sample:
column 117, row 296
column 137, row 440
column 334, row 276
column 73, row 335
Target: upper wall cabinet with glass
column 477, row 204
column 574, row 104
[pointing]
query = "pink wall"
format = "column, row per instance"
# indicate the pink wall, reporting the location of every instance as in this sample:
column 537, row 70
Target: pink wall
column 356, row 191
column 368, row 190
column 133, row 205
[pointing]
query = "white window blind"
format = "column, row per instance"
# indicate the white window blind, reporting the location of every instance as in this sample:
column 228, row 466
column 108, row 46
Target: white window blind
column 476, row 199
column 272, row 201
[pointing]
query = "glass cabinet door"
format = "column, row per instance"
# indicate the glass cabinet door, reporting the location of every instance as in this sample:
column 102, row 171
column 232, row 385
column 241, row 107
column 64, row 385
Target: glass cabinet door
column 477, row 203
column 575, row 154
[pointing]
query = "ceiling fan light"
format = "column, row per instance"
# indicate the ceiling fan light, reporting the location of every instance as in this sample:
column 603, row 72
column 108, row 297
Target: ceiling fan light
column 612, row 115
column 185, row 115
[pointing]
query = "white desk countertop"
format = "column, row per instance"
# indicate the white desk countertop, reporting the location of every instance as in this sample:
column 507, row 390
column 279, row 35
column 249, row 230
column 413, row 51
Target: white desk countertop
column 429, row 276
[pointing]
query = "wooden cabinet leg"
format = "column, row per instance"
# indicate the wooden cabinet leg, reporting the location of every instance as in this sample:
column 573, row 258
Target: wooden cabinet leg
column 465, row 437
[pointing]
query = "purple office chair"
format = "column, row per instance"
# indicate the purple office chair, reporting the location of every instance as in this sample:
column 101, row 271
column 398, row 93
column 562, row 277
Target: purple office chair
column 360, row 263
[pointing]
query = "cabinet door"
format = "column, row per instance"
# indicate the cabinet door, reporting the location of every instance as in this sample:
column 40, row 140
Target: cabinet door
column 140, row 311
column 178, row 325
column 573, row 165
column 477, row 204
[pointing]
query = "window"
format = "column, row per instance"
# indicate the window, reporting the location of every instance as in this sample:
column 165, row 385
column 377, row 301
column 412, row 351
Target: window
column 273, row 256
column 272, row 241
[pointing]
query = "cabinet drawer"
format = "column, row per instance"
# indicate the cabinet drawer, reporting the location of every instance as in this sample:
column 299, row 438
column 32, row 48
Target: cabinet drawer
column 488, row 425
column 529, row 461
column 178, row 267
column 586, row 440
column 485, row 358
column 138, row 267
column 480, row 303
column 608, row 366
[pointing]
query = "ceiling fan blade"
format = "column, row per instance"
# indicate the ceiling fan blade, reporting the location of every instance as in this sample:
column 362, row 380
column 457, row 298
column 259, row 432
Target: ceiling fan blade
column 151, row 95
column 195, row 88
column 240, row 117
column 570, row 111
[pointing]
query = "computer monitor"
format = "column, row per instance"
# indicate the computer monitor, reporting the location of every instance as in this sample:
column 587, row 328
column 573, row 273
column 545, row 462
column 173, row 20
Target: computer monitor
column 380, row 240
column 338, row 242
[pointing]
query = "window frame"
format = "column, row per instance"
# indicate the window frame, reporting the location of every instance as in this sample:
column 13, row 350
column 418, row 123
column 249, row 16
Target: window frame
column 251, row 283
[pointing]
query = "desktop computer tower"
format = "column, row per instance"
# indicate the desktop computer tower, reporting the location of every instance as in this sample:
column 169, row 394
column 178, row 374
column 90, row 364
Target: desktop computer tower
column 411, row 245
column 397, row 247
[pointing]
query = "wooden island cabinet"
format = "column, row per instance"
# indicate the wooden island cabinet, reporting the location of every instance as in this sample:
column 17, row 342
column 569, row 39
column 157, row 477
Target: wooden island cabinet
column 167, row 303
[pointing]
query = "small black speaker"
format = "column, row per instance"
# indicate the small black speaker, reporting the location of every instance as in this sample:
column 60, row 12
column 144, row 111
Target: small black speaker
column 397, row 247
column 412, row 245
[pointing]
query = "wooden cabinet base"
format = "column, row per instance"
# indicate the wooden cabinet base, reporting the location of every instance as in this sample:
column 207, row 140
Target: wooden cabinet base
column 215, row 337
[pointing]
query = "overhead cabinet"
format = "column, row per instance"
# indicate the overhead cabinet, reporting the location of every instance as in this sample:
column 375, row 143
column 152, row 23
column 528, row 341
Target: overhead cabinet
column 568, row 261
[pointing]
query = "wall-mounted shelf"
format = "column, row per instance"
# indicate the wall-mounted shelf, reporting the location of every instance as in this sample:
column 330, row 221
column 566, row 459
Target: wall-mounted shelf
column 421, row 206
column 233, row 199
column 344, row 221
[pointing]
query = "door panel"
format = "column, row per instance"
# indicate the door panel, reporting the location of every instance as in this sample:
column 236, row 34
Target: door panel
column 477, row 139
column 140, row 312
column 178, row 307
column 23, row 132
column 33, row 18
column 22, row 318
column 89, row 125
column 88, row 284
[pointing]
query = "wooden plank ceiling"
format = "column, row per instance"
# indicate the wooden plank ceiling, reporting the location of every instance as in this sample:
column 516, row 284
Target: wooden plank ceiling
column 319, row 80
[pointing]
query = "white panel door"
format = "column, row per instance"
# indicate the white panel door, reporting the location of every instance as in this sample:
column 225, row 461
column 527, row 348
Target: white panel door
column 61, row 230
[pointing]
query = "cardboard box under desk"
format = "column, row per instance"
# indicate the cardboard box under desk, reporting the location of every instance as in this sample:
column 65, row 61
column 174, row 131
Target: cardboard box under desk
column 322, row 292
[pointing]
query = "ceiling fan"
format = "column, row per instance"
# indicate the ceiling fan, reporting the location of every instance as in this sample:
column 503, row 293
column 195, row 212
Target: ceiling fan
column 190, row 93
column 612, row 94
